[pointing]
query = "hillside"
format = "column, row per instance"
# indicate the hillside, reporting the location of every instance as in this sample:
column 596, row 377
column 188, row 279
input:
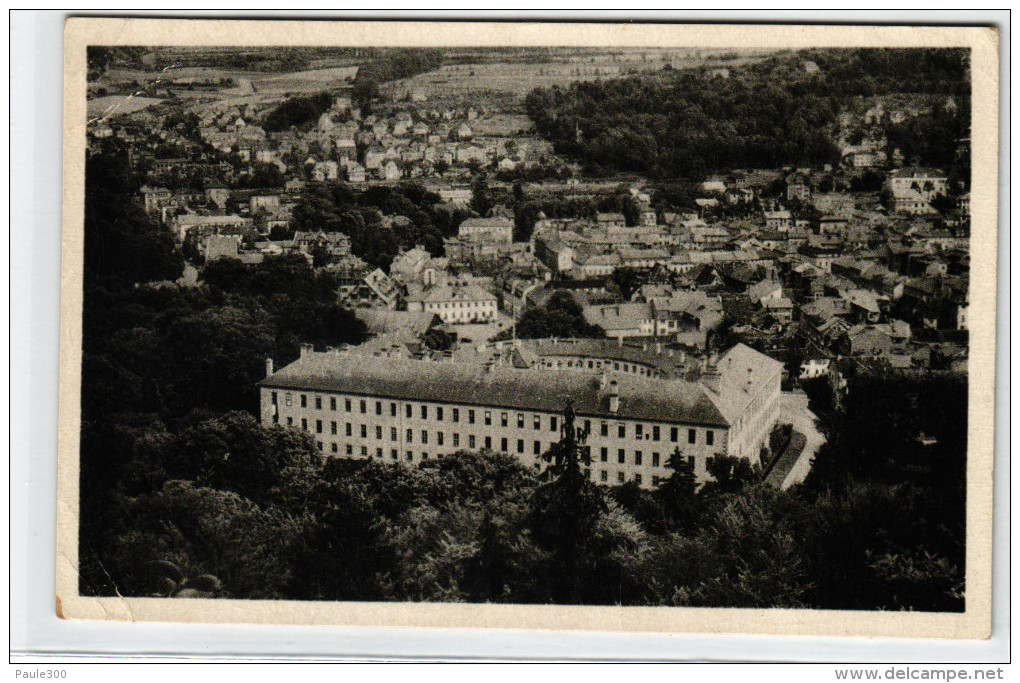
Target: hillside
column 783, row 110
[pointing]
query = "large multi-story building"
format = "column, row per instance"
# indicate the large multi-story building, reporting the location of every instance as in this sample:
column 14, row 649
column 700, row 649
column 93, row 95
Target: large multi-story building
column 496, row 229
column 914, row 189
column 456, row 302
column 395, row 409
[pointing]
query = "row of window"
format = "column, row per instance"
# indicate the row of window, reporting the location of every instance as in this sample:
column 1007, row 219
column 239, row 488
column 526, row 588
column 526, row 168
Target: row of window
column 632, row 368
column 472, row 442
column 438, row 412
column 654, row 434
column 440, row 437
column 409, row 435
column 462, row 304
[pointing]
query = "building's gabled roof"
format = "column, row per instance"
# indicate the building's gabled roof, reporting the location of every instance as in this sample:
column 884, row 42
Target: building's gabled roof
column 546, row 390
column 741, row 370
column 490, row 222
column 618, row 316
column 782, row 303
column 455, row 293
column 764, row 288
column 863, row 298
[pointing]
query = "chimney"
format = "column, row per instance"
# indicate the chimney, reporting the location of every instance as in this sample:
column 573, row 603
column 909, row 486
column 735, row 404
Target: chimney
column 711, row 377
column 614, row 396
column 306, row 350
column 619, row 341
column 269, row 367
column 658, row 348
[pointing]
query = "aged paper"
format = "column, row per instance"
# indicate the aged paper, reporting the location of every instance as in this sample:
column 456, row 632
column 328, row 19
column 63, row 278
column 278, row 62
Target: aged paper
column 974, row 622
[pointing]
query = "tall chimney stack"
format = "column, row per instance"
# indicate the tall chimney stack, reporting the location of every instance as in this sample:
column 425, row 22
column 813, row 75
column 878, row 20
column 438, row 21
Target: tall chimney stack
column 306, row 349
column 269, row 366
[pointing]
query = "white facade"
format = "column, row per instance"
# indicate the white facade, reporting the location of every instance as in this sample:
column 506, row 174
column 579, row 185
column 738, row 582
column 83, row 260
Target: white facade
column 410, row 411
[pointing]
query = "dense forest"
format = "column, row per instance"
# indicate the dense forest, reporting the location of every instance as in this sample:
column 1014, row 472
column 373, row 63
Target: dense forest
column 297, row 111
column 776, row 112
column 390, row 66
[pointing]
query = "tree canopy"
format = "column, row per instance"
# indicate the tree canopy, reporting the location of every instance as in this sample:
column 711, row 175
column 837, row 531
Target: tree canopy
column 689, row 123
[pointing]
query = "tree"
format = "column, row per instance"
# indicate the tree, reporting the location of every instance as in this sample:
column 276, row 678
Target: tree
column 233, row 452
column 730, row 474
column 481, row 199
column 749, row 555
column 677, row 493
column 297, row 111
column 122, row 245
column 560, row 317
column 565, row 511
column 187, row 537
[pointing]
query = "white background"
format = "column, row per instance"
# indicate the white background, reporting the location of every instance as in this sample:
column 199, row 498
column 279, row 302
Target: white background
column 38, row 636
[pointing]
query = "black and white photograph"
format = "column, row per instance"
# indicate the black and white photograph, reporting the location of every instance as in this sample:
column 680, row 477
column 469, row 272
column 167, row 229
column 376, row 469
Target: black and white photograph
column 632, row 326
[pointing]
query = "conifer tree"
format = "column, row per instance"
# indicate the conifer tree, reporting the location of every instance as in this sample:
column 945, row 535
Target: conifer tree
column 565, row 512
column 677, row 493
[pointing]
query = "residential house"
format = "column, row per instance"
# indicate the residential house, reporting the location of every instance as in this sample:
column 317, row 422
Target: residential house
column 621, row 321
column 610, row 220
column 457, row 302
column 496, row 229
column 375, row 290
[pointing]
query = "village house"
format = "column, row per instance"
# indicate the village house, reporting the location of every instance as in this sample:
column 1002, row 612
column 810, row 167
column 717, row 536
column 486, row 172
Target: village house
column 263, row 202
column 610, row 220
column 374, row 290
column 155, row 198
column 554, row 253
column 456, row 302
column 913, row 190
column 779, row 220
column 334, row 245
column 495, row 229
column 184, row 224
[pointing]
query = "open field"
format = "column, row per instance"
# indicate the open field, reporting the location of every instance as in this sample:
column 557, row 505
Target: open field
column 519, row 78
column 118, row 104
column 313, row 80
column 249, row 87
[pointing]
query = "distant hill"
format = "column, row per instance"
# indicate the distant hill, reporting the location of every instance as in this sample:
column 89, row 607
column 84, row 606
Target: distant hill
column 782, row 110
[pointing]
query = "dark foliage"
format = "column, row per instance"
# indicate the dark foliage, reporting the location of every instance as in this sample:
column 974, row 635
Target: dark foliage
column 685, row 124
column 297, row 111
column 561, row 316
column 123, row 246
column 390, row 66
column 422, row 219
